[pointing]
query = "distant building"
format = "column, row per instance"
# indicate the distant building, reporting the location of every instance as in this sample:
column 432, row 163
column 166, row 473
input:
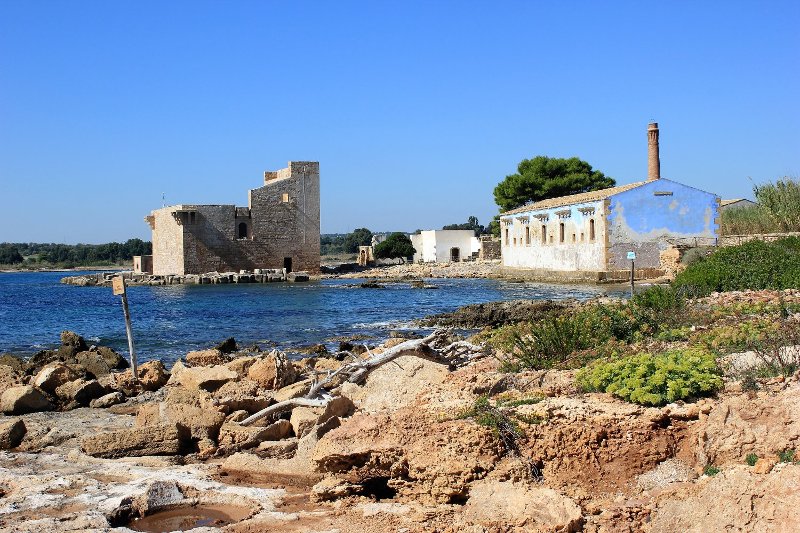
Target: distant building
column 278, row 229
column 445, row 246
column 735, row 204
column 594, row 231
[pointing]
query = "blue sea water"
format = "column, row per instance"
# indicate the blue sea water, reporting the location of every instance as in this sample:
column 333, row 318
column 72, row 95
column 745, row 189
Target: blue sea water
column 171, row 320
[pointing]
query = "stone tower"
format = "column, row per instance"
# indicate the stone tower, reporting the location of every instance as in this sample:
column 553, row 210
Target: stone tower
column 653, row 162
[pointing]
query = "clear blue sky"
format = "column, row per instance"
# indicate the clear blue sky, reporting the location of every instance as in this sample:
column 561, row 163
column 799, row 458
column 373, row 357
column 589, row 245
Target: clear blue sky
column 415, row 110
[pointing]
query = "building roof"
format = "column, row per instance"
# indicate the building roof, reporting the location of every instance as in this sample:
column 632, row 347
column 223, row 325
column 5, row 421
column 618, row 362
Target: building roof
column 579, row 198
column 723, row 203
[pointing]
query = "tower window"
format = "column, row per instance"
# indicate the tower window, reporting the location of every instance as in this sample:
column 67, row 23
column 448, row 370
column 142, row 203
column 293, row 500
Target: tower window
column 285, row 198
column 591, row 229
column 561, row 232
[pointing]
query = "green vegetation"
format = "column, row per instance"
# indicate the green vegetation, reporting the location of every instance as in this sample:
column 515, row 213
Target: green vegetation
column 710, row 470
column 36, row 255
column 751, row 459
column 345, row 243
column 777, row 210
column 472, row 223
column 396, row 245
column 655, row 379
column 787, row 456
column 544, row 177
column 752, row 265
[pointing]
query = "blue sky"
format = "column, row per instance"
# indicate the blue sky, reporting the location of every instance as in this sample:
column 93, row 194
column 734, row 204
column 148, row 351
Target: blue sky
column 415, row 110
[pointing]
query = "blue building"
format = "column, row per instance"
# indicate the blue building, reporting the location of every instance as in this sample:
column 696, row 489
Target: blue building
column 593, row 232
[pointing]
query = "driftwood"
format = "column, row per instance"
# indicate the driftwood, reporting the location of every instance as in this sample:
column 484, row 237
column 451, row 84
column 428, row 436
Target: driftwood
column 357, row 370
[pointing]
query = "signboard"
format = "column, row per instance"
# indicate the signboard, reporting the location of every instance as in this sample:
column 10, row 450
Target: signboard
column 631, row 257
column 118, row 285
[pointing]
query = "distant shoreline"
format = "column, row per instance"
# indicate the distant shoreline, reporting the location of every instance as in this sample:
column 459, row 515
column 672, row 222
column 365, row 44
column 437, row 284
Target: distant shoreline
column 74, row 269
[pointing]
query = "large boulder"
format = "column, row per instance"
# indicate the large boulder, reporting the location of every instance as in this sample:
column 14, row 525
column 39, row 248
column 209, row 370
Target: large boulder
column 53, row 376
column 80, row 392
column 9, row 378
column 24, row 399
column 242, row 395
column 193, row 422
column 114, row 360
column 303, row 419
column 206, row 358
column 496, row 504
column 94, row 363
column 273, row 371
column 12, row 433
column 208, row 378
column 162, row 439
column 234, row 437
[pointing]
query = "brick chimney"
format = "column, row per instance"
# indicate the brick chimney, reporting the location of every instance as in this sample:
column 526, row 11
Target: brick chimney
column 653, row 162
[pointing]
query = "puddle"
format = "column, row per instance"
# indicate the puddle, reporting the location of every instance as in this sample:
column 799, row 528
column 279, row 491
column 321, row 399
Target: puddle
column 188, row 518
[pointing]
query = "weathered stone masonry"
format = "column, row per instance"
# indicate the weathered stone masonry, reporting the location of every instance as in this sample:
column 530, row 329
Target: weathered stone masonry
column 279, row 229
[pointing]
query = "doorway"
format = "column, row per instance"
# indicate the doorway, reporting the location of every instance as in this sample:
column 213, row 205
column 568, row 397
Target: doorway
column 287, row 264
column 455, row 255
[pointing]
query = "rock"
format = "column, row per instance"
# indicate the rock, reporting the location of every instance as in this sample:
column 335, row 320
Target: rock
column 12, row 433
column 227, row 346
column 241, row 365
column 209, row 378
column 303, row 420
column 12, row 361
column 741, row 501
column 153, row 375
column 277, row 449
column 9, row 378
column 234, row 437
column 396, row 385
column 160, row 439
column 314, row 349
column 94, row 363
column 670, row 471
column 72, row 339
column 108, row 400
column 273, row 371
column 114, row 360
column 764, row 465
column 80, row 391
column 496, row 504
column 242, row 395
column 193, row 422
column 740, row 425
column 53, row 376
column 295, row 390
column 206, row 358
column 332, row 488
column 280, row 429
column 24, row 399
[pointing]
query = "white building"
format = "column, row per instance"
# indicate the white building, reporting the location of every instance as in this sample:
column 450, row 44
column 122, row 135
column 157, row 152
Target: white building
column 445, row 246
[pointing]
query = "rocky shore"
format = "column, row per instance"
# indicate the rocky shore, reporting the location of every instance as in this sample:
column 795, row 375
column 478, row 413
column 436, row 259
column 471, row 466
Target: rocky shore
column 467, row 269
column 390, row 447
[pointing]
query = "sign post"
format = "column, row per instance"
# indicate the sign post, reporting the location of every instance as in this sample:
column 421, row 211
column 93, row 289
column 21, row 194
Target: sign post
column 118, row 286
column 632, row 257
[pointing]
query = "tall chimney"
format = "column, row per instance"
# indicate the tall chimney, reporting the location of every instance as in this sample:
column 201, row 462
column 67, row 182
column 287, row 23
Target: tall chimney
column 653, row 162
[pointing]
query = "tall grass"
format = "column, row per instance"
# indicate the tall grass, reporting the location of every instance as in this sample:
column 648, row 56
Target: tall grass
column 777, row 211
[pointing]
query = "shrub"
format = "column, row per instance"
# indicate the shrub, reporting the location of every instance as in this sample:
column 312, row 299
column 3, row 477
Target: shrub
column 710, row 470
column 751, row 459
column 654, row 379
column 752, row 265
column 787, row 456
column 778, row 349
column 737, row 337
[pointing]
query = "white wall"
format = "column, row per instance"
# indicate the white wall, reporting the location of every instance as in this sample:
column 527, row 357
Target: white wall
column 580, row 254
column 435, row 245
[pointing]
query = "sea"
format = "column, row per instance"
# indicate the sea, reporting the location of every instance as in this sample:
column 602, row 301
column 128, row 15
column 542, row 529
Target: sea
column 169, row 321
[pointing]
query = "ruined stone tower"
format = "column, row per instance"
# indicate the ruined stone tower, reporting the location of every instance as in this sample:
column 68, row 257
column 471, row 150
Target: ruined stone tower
column 653, row 162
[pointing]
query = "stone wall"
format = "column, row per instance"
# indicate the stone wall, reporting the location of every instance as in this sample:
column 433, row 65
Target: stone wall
column 167, row 242
column 490, row 248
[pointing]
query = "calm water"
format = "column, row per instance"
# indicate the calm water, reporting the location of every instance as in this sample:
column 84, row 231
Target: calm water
column 169, row 321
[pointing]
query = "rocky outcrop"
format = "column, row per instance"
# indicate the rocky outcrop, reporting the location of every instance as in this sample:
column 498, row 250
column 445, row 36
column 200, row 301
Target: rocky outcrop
column 206, row 358
column 53, row 376
column 79, row 392
column 162, row 439
column 272, row 371
column 208, row 378
column 11, row 433
column 24, row 399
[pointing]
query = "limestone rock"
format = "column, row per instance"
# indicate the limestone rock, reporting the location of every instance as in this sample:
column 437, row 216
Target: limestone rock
column 206, row 358
column 94, row 363
column 12, row 361
column 495, row 504
column 24, row 399
column 280, row 429
column 303, row 419
column 207, row 378
column 80, row 391
column 241, row 365
column 53, row 376
column 277, row 449
column 70, row 338
column 9, row 378
column 160, row 439
column 273, row 371
column 12, row 433
column 114, row 360
column 112, row 398
column 332, row 488
column 242, row 395
column 192, row 421
column 670, row 471
column 294, row 390
column 153, row 375
column 235, row 437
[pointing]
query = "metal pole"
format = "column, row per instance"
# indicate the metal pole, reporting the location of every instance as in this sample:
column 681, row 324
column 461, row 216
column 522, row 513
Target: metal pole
column 631, row 278
column 131, row 349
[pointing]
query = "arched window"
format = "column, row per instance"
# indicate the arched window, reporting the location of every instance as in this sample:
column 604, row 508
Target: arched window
column 591, row 229
column 561, row 232
column 242, row 230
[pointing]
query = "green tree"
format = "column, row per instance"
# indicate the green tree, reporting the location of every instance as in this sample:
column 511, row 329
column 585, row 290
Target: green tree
column 359, row 237
column 395, row 245
column 9, row 255
column 472, row 223
column 544, row 177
